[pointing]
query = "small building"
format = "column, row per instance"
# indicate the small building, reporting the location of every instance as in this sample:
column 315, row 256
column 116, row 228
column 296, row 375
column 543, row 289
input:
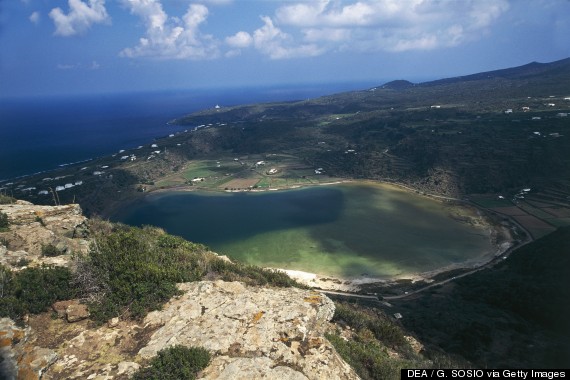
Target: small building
column 154, row 146
column 510, row 110
column 69, row 185
column 43, row 192
column 398, row 316
column 562, row 114
column 526, row 109
column 59, row 188
column 124, row 157
column 78, row 183
column 551, row 104
column 97, row 172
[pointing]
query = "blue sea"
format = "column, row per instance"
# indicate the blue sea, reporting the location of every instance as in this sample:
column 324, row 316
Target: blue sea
column 42, row 134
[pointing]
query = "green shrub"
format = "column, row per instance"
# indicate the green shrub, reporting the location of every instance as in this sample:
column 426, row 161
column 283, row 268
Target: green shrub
column 50, row 250
column 370, row 359
column 4, row 199
column 23, row 262
column 130, row 271
column 33, row 290
column 174, row 363
column 382, row 328
column 136, row 270
column 4, row 222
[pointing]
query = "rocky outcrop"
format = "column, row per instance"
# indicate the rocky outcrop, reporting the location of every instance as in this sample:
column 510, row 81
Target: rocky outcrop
column 32, row 227
column 252, row 331
column 21, row 359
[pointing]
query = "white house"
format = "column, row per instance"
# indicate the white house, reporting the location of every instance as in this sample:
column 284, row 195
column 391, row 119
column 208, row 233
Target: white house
column 59, row 188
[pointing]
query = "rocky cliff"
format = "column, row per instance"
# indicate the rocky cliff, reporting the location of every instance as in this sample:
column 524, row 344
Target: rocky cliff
column 252, row 332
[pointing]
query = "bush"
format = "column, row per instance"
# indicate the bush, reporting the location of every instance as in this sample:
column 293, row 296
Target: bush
column 4, row 222
column 174, row 363
column 50, row 250
column 134, row 270
column 382, row 328
column 4, row 199
column 369, row 359
column 33, row 290
column 130, row 271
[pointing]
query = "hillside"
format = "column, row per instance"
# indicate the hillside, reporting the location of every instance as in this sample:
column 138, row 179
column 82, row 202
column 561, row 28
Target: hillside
column 514, row 315
column 83, row 298
column 491, row 133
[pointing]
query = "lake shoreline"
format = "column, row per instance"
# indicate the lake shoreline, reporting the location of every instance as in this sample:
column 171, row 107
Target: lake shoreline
column 501, row 239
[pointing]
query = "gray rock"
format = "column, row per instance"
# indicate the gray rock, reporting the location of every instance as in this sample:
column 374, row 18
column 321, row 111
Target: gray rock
column 282, row 327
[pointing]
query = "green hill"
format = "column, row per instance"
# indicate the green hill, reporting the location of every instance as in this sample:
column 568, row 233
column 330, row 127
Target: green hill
column 513, row 315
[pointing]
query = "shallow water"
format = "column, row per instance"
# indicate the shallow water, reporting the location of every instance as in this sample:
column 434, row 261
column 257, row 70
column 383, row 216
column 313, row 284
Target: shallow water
column 346, row 230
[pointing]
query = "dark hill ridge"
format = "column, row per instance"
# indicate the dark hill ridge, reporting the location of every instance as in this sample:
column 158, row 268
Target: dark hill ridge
column 398, row 84
column 492, row 87
column 529, row 70
column 450, row 137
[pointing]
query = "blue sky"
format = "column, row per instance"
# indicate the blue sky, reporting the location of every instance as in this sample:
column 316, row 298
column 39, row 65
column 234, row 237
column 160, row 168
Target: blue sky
column 53, row 47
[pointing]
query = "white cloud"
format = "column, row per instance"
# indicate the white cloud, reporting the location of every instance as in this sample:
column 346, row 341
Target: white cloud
column 392, row 25
column 276, row 44
column 171, row 38
column 239, row 40
column 79, row 18
column 35, row 17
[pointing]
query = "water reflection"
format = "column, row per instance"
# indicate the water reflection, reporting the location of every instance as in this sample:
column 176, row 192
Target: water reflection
column 346, row 230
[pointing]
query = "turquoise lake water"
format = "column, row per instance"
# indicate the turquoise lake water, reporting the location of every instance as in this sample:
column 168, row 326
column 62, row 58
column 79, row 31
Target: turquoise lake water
column 348, row 230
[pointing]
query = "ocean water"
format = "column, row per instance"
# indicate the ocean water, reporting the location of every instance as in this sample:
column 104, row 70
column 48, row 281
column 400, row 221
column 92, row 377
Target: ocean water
column 40, row 134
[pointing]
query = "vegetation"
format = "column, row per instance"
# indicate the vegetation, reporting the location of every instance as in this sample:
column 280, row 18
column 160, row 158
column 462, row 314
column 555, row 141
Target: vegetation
column 513, row 315
column 32, row 290
column 50, row 250
column 5, row 199
column 4, row 222
column 130, row 271
column 174, row 363
column 378, row 348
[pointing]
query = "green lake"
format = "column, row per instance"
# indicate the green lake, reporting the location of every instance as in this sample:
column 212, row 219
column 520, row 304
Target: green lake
column 347, row 230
